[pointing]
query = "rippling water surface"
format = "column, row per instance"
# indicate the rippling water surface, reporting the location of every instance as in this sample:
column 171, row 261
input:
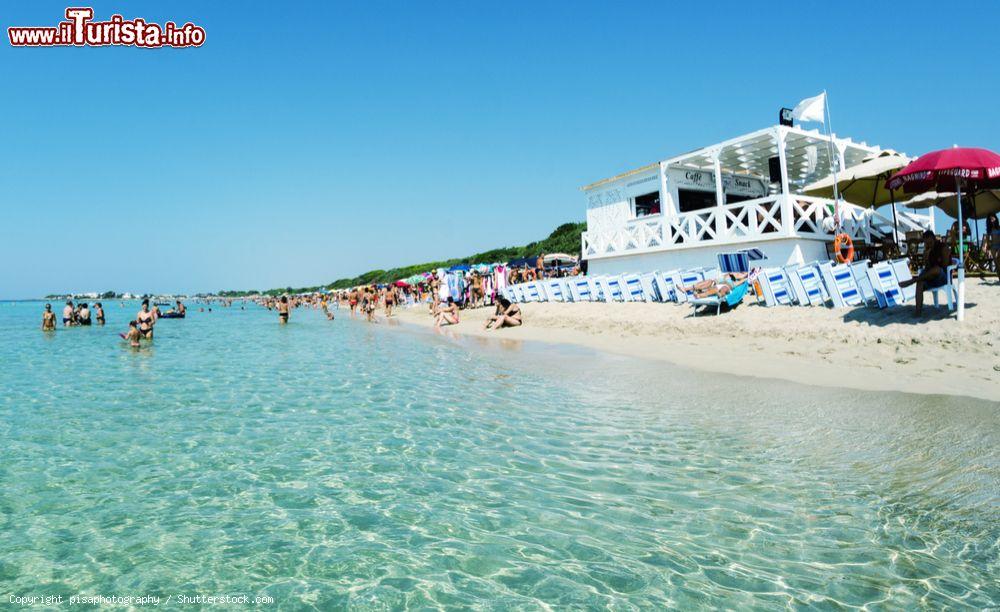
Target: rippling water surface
column 339, row 464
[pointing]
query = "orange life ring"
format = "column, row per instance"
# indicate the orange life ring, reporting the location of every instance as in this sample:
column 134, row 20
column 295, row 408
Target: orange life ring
column 838, row 242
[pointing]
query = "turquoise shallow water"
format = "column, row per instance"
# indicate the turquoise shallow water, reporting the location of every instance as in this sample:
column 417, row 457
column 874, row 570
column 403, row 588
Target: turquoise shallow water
column 331, row 465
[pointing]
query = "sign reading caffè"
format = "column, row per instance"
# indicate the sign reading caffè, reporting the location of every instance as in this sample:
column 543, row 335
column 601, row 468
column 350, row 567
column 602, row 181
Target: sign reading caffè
column 703, row 180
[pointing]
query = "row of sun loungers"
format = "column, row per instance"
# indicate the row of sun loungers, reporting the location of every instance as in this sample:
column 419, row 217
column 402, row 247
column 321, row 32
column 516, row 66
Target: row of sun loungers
column 859, row 283
column 814, row 284
column 650, row 287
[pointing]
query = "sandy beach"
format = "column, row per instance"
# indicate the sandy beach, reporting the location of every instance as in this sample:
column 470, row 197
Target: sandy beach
column 863, row 348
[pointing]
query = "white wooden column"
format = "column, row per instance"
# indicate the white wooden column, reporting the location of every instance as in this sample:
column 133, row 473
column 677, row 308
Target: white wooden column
column 786, row 199
column 720, row 197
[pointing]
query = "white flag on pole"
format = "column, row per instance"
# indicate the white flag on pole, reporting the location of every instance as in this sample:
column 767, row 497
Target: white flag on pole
column 811, row 109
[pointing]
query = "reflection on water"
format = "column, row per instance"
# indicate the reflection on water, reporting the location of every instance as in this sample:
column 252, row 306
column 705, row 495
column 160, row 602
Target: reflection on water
column 336, row 463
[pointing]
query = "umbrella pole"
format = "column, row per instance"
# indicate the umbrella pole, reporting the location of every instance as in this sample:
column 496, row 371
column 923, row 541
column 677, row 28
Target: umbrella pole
column 961, row 254
column 895, row 223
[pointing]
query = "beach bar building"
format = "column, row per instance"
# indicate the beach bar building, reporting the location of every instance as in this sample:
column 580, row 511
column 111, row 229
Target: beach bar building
column 739, row 194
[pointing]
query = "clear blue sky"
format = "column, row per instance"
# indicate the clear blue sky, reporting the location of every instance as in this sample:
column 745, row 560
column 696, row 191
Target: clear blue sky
column 307, row 141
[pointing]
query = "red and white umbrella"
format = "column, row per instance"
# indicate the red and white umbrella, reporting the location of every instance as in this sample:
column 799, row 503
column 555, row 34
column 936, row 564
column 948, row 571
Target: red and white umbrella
column 955, row 169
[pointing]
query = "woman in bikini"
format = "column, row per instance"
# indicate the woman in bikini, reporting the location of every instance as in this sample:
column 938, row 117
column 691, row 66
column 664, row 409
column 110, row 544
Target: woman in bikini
column 720, row 287
column 146, row 320
column 507, row 315
column 448, row 315
column 283, row 310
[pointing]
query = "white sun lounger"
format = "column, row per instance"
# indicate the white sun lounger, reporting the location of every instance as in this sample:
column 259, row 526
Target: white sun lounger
column 888, row 293
column 554, row 289
column 579, row 287
column 518, row 291
column 840, row 285
column 532, row 292
column 684, row 279
column 648, row 283
column 633, row 288
column 665, row 285
column 776, row 287
column 614, row 289
column 859, row 270
column 810, row 278
column 807, row 284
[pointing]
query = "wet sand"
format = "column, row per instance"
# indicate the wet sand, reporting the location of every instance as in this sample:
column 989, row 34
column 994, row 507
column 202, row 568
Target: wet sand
column 859, row 348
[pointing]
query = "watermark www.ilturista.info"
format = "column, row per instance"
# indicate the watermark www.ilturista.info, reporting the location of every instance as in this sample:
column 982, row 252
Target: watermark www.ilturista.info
column 79, row 30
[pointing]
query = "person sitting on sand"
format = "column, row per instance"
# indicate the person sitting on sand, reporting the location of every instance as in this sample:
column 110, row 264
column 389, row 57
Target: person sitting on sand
column 448, row 314
column 133, row 334
column 48, row 319
column 507, row 315
column 935, row 273
column 720, row 287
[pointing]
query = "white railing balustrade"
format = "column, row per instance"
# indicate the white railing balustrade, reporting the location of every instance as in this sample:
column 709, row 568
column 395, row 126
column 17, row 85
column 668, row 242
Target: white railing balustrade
column 765, row 218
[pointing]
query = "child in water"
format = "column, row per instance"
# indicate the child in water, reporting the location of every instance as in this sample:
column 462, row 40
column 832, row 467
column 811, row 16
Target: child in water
column 133, row 334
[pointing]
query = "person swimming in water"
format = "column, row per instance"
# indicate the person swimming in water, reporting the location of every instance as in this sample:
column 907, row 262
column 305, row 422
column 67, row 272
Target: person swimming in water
column 48, row 319
column 146, row 321
column 283, row 310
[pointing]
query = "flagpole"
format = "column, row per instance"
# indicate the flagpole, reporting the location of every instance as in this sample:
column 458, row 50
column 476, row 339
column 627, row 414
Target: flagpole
column 828, row 124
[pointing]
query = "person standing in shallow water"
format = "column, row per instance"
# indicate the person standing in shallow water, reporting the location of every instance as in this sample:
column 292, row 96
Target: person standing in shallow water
column 48, row 319
column 68, row 313
column 99, row 311
column 146, row 321
column 283, row 310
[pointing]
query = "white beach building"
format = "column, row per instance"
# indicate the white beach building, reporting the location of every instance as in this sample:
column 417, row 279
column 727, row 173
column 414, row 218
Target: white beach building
column 742, row 193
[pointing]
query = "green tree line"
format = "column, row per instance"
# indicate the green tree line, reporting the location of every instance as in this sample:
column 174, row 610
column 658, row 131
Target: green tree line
column 564, row 239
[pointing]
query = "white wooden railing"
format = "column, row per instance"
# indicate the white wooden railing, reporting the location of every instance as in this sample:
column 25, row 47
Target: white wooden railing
column 771, row 217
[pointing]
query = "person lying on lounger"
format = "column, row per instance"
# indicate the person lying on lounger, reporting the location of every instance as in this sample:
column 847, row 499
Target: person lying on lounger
column 720, row 287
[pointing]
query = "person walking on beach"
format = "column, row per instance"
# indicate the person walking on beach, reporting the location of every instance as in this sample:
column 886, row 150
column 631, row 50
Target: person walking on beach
column 146, row 321
column 283, row 310
column 352, row 301
column 68, row 313
column 99, row 312
column 48, row 319
column 390, row 300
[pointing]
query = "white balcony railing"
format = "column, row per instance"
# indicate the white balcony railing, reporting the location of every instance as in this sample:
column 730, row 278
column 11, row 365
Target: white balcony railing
column 765, row 218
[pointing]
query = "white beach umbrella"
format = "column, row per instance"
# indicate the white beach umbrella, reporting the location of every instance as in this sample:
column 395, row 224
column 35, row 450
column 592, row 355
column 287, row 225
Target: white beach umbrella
column 977, row 206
